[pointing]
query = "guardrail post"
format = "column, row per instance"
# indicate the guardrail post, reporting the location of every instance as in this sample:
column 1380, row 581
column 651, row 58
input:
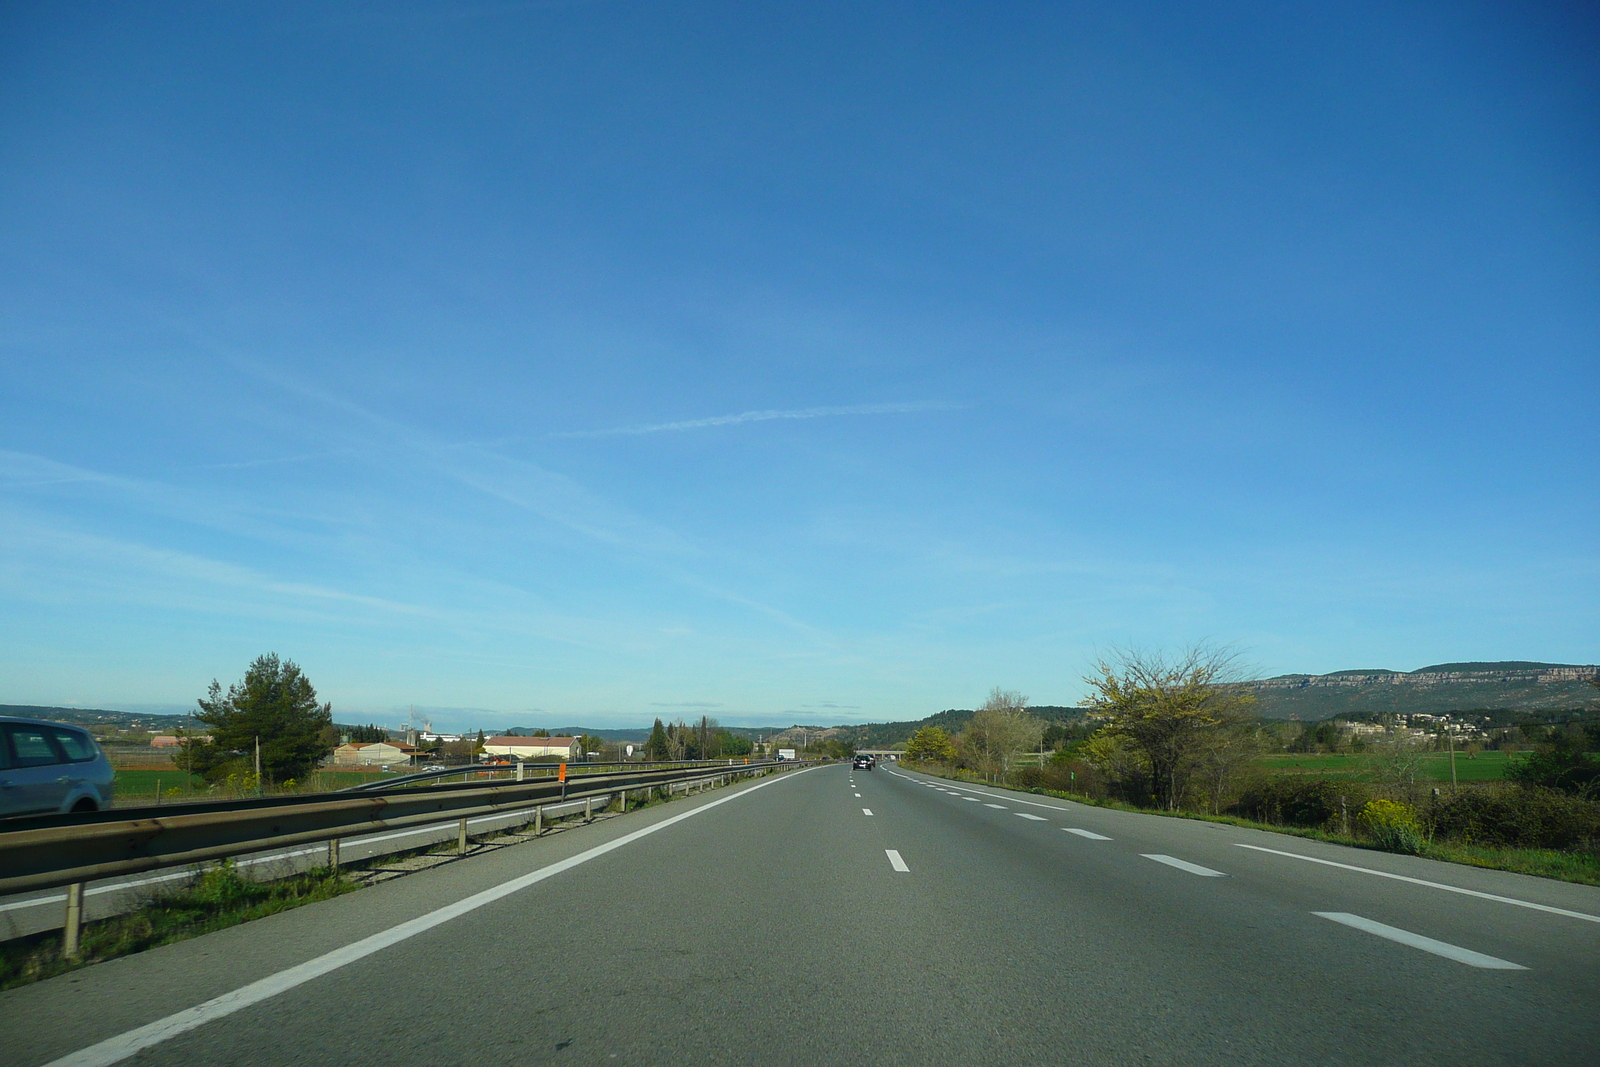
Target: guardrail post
column 74, row 926
column 588, row 809
column 520, row 766
column 462, row 844
column 622, row 796
column 538, row 820
column 333, row 854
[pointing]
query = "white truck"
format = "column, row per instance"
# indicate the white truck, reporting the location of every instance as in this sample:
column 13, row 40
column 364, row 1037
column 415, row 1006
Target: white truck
column 786, row 754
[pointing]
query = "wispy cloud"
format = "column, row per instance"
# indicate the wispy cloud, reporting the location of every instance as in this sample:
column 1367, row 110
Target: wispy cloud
column 758, row 416
column 686, row 704
column 21, row 470
column 827, row 704
column 170, row 576
column 280, row 460
column 520, row 483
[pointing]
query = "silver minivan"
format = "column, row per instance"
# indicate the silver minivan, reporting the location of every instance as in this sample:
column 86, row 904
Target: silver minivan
column 50, row 767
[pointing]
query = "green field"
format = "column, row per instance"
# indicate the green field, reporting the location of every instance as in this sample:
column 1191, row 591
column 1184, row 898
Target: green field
column 142, row 783
column 1487, row 767
column 138, row 785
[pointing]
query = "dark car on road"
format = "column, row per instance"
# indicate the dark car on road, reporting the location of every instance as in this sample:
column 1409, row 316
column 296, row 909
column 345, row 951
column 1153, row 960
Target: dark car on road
column 862, row 762
column 48, row 767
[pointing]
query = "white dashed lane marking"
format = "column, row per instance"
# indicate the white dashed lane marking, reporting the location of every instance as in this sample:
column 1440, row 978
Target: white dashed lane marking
column 1183, row 865
column 896, row 862
column 866, row 811
column 973, row 799
column 1426, row 944
column 1025, row 815
column 858, row 794
column 1002, row 807
column 1090, row 834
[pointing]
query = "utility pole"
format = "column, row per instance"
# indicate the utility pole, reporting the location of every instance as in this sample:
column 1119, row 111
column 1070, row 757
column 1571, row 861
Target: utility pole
column 1449, row 733
column 258, row 765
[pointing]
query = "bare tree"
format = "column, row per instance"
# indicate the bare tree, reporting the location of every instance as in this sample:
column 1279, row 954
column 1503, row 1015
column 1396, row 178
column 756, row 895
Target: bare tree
column 676, row 735
column 1400, row 757
column 1230, row 749
column 999, row 732
column 1170, row 708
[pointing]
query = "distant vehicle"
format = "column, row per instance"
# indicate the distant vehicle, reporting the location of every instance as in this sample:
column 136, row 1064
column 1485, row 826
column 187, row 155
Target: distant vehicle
column 786, row 754
column 48, row 767
column 862, row 762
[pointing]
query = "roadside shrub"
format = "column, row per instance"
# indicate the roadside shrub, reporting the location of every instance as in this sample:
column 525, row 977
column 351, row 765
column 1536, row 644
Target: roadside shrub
column 1063, row 775
column 1392, row 826
column 1303, row 800
column 1526, row 817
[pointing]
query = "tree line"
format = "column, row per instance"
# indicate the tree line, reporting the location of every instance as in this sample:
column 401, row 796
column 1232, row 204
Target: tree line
column 706, row 739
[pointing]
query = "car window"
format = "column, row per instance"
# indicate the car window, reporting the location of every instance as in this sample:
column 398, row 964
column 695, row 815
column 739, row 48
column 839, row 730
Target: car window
column 77, row 746
column 31, row 747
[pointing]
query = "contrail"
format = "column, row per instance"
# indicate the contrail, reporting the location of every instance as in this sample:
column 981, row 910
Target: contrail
column 757, row 416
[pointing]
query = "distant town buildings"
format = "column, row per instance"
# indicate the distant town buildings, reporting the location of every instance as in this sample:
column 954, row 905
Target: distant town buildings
column 1417, row 725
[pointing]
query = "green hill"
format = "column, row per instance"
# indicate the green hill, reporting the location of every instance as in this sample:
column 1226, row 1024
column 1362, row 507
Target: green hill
column 952, row 720
column 122, row 720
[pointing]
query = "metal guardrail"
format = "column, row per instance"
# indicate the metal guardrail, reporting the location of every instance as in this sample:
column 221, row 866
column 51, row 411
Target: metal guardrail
column 548, row 769
column 90, row 847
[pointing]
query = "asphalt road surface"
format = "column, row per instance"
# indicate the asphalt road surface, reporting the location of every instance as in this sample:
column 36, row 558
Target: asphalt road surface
column 831, row 916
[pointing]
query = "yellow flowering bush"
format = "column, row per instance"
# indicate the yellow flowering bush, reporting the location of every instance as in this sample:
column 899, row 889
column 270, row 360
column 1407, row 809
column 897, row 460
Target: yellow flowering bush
column 1392, row 826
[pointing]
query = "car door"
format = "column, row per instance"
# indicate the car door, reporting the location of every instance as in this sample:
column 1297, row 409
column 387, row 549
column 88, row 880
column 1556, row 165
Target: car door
column 36, row 780
column 82, row 770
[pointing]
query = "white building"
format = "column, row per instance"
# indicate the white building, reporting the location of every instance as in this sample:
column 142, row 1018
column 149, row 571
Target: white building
column 566, row 748
column 373, row 754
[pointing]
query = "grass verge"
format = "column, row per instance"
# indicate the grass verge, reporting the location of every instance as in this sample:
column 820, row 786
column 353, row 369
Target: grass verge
column 1580, row 867
column 217, row 899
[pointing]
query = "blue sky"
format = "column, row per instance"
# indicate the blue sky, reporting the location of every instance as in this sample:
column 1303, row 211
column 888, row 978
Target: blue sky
column 587, row 362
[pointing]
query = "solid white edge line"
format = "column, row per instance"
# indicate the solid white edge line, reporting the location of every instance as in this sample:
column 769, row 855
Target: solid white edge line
column 116, row 1049
column 1426, row 944
column 1431, row 885
column 894, row 861
column 1183, row 865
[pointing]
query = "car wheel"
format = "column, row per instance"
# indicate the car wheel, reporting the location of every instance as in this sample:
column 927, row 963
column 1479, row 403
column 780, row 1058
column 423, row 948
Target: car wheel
column 85, row 805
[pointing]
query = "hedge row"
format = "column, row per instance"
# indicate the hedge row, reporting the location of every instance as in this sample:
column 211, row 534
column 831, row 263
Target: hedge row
column 1505, row 816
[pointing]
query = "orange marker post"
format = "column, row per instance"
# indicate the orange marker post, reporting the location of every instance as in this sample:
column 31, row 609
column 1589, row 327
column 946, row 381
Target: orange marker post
column 561, row 773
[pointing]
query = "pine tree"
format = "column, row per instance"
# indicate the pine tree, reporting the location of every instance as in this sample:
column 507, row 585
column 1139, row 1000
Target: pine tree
column 274, row 705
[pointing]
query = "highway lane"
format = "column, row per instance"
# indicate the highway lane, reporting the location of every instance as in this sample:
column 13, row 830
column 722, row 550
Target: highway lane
column 774, row 925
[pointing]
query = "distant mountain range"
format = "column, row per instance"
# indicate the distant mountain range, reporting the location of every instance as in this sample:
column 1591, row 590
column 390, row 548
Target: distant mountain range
column 1513, row 685
column 1509, row 685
